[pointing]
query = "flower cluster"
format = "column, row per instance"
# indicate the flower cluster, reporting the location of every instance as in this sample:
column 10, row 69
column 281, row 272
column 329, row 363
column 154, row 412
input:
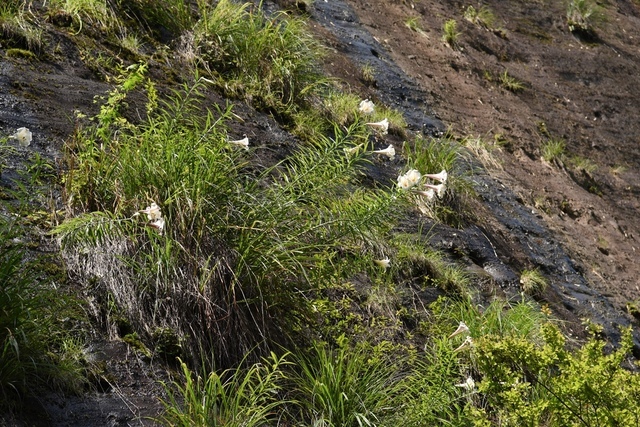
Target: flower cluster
column 409, row 179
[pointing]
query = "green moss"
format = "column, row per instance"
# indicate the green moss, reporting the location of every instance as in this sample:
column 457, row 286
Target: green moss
column 20, row 53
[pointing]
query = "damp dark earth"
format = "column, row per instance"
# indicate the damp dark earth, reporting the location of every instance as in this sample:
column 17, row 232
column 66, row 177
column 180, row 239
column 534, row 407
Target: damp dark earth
column 504, row 91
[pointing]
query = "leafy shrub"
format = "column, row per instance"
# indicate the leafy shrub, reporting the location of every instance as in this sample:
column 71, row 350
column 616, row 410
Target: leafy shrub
column 524, row 383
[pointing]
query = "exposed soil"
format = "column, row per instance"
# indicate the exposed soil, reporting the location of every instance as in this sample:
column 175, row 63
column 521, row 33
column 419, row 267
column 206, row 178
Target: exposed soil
column 579, row 227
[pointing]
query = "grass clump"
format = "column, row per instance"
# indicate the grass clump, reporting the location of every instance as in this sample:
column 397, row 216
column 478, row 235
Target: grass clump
column 345, row 385
column 482, row 16
column 234, row 398
column 431, row 156
column 510, row 83
column 583, row 16
column 553, row 150
column 36, row 349
column 240, row 248
column 269, row 60
column 16, row 30
column 450, row 33
column 532, row 282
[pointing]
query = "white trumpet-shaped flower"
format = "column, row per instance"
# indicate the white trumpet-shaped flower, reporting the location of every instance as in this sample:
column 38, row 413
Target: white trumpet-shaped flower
column 468, row 343
column 381, row 126
column 429, row 193
column 158, row 224
column 468, row 385
column 409, row 179
column 462, row 329
column 24, row 136
column 440, row 177
column 353, row 150
column 366, row 107
column 153, row 212
column 439, row 189
column 390, row 152
column 384, row 263
column 244, row 142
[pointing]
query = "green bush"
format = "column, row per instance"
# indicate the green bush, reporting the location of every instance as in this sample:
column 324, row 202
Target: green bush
column 546, row 384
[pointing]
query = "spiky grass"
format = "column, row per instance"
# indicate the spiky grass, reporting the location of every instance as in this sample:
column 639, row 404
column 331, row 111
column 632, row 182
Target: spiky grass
column 450, row 33
column 533, row 282
column 553, row 150
column 16, row 30
column 236, row 397
column 584, row 16
column 482, row 16
column 345, row 385
column 271, row 60
column 239, row 248
column 510, row 83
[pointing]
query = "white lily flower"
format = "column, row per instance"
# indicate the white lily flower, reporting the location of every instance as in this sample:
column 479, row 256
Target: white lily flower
column 244, row 142
column 366, row 107
column 468, row 385
column 440, row 177
column 381, row 126
column 429, row 194
column 462, row 329
column 24, row 137
column 153, row 212
column 158, row 224
column 384, row 263
column 353, row 150
column 439, row 189
column 409, row 179
column 468, row 343
column 390, row 152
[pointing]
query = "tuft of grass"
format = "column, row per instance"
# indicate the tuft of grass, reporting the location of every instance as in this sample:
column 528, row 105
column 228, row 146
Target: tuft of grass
column 482, row 16
column 533, row 282
column 344, row 385
column 483, row 151
column 583, row 16
column 430, row 156
column 368, row 74
column 234, row 398
column 553, row 150
column 36, row 351
column 582, row 163
column 450, row 33
column 271, row 60
column 17, row 31
column 510, row 83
